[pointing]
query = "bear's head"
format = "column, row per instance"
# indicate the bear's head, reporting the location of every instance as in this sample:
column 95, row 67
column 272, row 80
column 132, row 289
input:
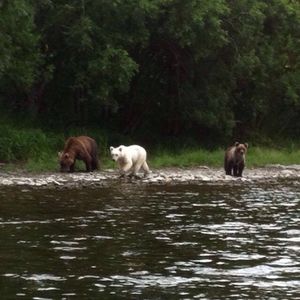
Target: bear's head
column 240, row 150
column 116, row 153
column 65, row 161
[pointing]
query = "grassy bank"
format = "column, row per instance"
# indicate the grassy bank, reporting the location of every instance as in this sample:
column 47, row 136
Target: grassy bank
column 35, row 150
column 257, row 157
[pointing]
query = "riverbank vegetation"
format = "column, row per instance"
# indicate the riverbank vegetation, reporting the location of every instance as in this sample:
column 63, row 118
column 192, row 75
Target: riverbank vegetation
column 35, row 150
column 174, row 76
column 257, row 157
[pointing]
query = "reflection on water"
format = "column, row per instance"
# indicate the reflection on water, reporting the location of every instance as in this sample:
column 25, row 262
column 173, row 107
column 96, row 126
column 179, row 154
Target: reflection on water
column 238, row 241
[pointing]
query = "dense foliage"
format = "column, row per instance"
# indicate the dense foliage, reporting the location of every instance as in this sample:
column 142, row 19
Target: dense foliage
column 196, row 70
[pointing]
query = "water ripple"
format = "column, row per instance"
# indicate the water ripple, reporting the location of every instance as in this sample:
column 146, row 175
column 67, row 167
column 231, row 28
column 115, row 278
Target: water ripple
column 235, row 241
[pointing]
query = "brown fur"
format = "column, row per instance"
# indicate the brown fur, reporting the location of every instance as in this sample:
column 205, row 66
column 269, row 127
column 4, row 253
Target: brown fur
column 235, row 158
column 81, row 147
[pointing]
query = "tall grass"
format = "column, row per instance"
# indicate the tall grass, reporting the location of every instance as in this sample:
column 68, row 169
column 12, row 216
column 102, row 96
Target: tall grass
column 21, row 144
column 187, row 158
column 261, row 156
column 256, row 157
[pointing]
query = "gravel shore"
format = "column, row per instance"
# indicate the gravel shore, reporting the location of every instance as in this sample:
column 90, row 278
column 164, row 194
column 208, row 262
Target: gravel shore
column 201, row 174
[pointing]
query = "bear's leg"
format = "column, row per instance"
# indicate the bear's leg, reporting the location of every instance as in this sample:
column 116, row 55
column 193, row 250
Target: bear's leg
column 125, row 168
column 240, row 171
column 94, row 156
column 88, row 163
column 135, row 169
column 228, row 168
column 72, row 167
column 235, row 170
column 145, row 168
column 95, row 164
column 228, row 171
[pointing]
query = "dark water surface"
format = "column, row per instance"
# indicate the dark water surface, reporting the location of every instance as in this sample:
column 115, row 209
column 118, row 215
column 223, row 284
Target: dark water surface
column 232, row 241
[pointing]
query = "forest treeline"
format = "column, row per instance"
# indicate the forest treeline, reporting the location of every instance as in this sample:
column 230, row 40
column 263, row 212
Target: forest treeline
column 155, row 69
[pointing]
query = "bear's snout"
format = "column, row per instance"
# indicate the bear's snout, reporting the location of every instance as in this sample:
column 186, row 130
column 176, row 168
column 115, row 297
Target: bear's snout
column 64, row 168
column 114, row 158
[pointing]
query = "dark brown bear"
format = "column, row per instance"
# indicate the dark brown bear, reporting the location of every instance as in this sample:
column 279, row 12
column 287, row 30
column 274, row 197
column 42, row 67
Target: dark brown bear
column 235, row 158
column 82, row 148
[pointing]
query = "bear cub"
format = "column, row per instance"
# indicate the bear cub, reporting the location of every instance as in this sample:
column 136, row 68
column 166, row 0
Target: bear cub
column 235, row 158
column 130, row 159
column 81, row 147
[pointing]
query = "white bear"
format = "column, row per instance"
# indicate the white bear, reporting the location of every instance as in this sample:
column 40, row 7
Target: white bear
column 130, row 159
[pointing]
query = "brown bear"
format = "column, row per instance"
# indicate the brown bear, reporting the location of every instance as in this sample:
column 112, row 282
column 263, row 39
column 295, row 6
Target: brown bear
column 82, row 148
column 235, row 158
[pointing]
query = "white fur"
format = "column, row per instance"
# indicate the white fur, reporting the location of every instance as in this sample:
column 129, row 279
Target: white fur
column 130, row 159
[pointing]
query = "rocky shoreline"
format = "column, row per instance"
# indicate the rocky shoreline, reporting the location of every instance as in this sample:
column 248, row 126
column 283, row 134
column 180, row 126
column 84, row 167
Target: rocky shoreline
column 201, row 174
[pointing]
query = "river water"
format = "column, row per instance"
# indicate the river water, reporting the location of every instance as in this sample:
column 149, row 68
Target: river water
column 139, row 241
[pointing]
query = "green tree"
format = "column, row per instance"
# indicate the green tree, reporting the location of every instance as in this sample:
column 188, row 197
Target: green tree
column 89, row 44
column 19, row 52
column 265, row 60
column 207, row 70
column 180, row 79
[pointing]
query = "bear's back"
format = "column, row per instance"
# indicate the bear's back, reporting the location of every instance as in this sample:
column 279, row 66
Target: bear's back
column 136, row 152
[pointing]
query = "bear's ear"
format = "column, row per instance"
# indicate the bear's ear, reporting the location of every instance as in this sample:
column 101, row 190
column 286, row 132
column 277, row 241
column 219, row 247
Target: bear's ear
column 236, row 143
column 246, row 145
column 121, row 148
column 59, row 154
column 111, row 148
